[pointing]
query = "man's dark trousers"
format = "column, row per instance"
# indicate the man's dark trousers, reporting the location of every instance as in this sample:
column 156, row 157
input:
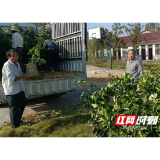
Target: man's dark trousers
column 53, row 58
column 17, row 103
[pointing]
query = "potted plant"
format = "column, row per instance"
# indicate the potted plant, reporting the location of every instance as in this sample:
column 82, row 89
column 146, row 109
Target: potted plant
column 35, row 60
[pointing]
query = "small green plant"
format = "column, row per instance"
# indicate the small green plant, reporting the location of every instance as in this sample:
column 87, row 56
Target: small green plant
column 35, row 55
column 41, row 74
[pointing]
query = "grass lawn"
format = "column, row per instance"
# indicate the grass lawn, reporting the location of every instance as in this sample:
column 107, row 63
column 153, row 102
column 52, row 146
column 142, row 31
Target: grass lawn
column 71, row 121
column 122, row 64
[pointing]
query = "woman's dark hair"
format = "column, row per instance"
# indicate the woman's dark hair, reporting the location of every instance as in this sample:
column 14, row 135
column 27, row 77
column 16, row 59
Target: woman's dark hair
column 8, row 53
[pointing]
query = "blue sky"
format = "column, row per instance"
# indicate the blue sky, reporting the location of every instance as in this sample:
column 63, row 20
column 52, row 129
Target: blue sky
column 105, row 25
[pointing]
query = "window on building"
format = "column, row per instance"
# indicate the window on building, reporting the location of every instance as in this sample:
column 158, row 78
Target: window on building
column 157, row 49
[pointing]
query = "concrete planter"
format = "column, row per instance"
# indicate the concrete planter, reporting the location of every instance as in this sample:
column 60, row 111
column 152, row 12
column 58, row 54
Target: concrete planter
column 48, row 87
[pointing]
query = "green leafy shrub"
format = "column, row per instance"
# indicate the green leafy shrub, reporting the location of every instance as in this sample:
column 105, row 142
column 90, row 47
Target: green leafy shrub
column 33, row 37
column 36, row 56
column 128, row 100
column 5, row 45
column 30, row 37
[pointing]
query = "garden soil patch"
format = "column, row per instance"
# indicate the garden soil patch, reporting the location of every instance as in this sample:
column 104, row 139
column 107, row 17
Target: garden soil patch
column 50, row 75
column 56, row 75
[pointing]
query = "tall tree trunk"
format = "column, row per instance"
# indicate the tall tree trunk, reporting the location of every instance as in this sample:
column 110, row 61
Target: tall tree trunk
column 96, row 54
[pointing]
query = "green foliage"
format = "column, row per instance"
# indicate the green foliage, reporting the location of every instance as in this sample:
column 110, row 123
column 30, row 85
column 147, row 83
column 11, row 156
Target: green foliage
column 69, row 121
column 122, row 64
column 117, row 31
column 5, row 44
column 30, row 36
column 40, row 24
column 128, row 100
column 98, row 44
column 73, row 126
column 41, row 74
column 152, row 26
column 133, row 30
column 36, row 56
column 45, row 32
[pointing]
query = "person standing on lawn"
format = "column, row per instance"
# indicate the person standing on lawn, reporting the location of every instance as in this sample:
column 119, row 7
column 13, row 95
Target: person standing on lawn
column 14, row 87
column 17, row 43
column 134, row 66
column 53, row 54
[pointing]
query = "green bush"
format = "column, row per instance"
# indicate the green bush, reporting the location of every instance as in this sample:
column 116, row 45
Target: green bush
column 36, row 52
column 128, row 100
column 5, row 44
column 31, row 38
column 36, row 56
column 92, row 60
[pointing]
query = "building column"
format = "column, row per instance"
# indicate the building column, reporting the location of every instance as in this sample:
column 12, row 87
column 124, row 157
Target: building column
column 140, row 49
column 146, row 51
column 121, row 52
column 153, row 50
column 117, row 54
column 111, row 50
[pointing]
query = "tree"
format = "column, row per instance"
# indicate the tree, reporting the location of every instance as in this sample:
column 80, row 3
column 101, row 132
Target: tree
column 133, row 30
column 152, row 26
column 117, row 43
column 96, row 45
column 5, row 45
column 147, row 27
column 41, row 24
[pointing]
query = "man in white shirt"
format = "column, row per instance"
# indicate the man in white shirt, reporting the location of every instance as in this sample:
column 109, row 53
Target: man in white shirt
column 17, row 43
column 14, row 87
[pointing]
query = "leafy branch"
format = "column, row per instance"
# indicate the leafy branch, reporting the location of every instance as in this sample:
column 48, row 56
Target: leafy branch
column 35, row 55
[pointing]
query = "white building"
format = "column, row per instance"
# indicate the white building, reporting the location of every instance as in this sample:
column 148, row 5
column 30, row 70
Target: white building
column 147, row 50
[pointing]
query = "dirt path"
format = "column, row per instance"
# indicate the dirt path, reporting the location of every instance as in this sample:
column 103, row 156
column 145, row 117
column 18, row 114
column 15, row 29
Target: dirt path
column 97, row 74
